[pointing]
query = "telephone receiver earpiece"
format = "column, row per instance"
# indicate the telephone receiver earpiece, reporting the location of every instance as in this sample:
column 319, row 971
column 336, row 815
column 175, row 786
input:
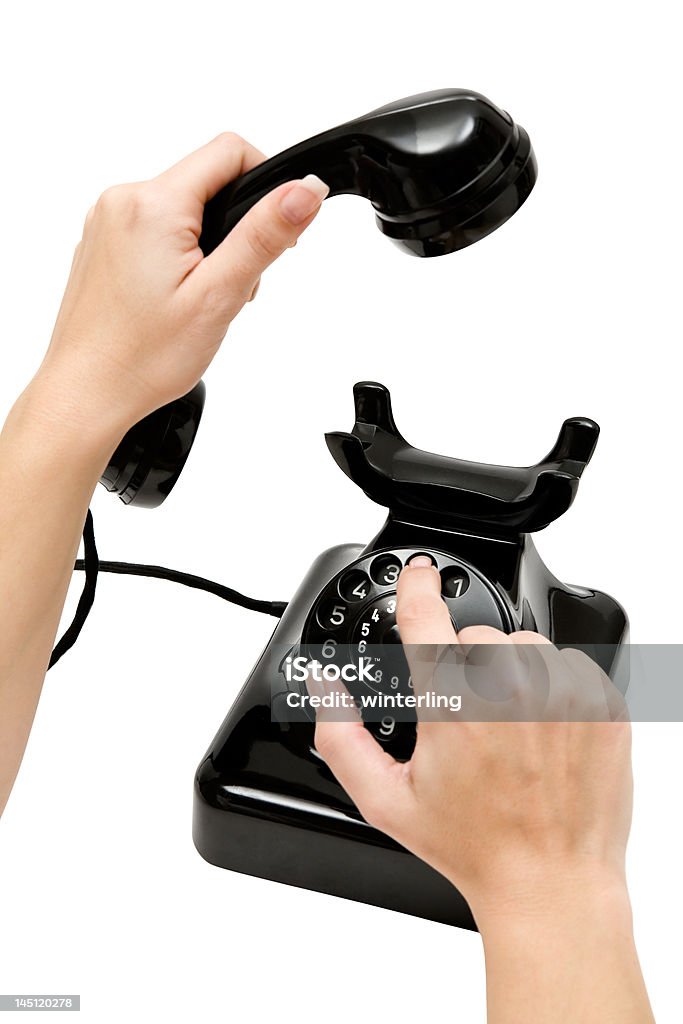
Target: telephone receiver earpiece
column 441, row 169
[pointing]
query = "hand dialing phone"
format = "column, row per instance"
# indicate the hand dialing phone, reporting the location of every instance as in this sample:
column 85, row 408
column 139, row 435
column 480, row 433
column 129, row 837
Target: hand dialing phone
column 265, row 803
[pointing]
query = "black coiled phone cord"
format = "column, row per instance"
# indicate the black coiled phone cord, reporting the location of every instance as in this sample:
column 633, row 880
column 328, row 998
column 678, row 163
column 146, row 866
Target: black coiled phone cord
column 91, row 565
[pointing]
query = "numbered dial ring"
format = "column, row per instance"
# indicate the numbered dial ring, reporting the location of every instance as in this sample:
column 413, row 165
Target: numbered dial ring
column 355, row 616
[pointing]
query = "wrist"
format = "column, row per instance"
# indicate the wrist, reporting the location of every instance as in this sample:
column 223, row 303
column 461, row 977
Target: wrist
column 57, row 424
column 102, row 388
column 565, row 951
column 75, row 406
column 544, row 902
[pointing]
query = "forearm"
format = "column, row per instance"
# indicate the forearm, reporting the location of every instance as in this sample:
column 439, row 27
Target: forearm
column 51, row 455
column 566, row 955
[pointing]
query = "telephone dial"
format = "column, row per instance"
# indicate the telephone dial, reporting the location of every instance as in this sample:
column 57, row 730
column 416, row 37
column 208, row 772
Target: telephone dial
column 441, row 170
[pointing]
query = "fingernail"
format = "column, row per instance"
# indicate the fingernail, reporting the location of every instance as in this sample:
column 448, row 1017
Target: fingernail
column 255, row 291
column 421, row 562
column 303, row 199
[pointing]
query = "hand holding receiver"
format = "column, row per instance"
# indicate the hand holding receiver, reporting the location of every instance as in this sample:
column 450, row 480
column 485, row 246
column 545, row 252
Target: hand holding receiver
column 145, row 310
column 442, row 169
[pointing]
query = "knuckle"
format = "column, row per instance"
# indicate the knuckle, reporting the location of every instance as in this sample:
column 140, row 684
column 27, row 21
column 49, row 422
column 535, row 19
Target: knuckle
column 131, row 202
column 516, row 683
column 527, row 636
column 481, row 635
column 230, row 139
column 115, row 197
column 581, row 664
column 218, row 300
column 263, row 246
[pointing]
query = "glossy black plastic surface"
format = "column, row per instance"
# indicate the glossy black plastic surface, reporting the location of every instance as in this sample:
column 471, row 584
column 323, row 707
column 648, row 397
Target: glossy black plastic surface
column 434, row 490
column 147, row 463
column 265, row 802
column 442, row 169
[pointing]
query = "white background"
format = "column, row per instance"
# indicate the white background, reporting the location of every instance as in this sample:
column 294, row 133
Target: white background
column 569, row 309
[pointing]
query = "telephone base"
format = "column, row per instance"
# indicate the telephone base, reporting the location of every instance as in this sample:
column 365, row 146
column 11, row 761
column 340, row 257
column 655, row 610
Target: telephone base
column 289, row 845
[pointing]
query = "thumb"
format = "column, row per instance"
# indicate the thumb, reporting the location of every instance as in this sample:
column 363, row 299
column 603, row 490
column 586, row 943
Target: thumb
column 271, row 226
column 377, row 784
column 373, row 779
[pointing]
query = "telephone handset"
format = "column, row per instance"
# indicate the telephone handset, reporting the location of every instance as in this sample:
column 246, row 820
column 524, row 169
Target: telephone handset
column 441, row 170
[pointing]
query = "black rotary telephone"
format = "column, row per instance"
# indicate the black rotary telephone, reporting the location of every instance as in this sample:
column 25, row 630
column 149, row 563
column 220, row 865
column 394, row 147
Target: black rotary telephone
column 442, row 170
column 265, row 803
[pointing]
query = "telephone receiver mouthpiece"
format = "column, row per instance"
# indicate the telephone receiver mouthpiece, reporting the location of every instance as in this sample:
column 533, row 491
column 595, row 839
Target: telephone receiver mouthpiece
column 441, row 169
column 149, row 459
